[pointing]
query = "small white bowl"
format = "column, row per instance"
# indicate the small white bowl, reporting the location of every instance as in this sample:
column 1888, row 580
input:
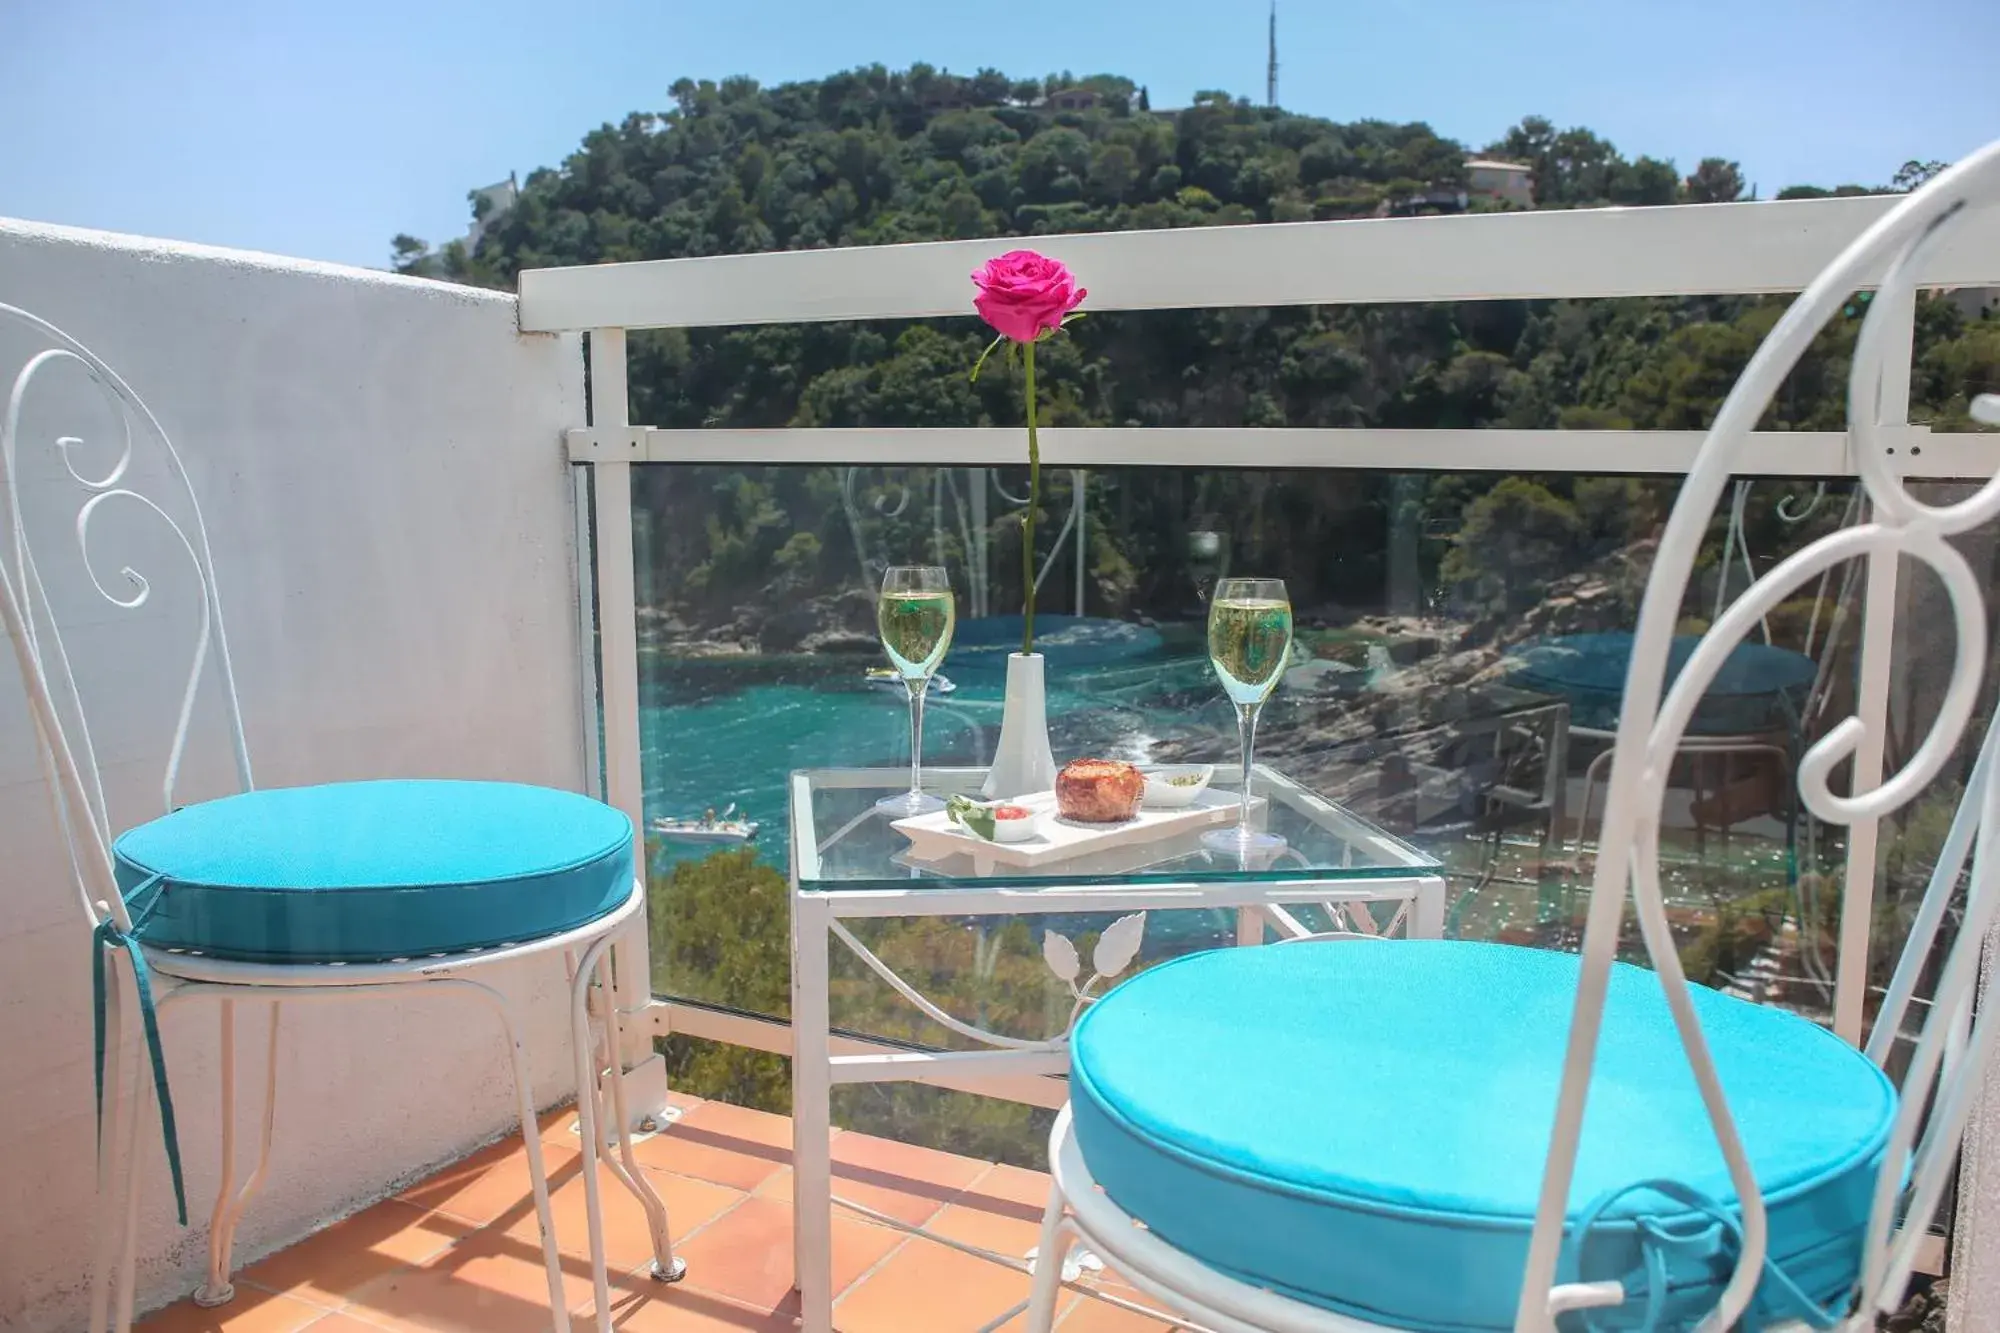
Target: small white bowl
column 1164, row 794
column 1018, row 830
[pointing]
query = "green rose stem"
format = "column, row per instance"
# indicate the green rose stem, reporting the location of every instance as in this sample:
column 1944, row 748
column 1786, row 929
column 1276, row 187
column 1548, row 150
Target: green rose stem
column 1028, row 518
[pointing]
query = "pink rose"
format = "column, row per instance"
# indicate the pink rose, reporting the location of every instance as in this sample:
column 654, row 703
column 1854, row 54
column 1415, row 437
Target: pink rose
column 1023, row 294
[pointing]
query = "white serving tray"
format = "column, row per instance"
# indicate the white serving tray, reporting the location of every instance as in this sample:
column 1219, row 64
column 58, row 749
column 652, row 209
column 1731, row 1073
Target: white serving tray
column 933, row 837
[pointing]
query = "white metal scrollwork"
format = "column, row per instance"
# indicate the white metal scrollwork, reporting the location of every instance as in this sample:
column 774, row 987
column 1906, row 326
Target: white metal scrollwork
column 1651, row 727
column 67, row 750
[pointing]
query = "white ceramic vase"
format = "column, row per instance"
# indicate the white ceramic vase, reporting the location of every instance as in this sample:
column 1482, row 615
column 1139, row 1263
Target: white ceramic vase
column 1023, row 762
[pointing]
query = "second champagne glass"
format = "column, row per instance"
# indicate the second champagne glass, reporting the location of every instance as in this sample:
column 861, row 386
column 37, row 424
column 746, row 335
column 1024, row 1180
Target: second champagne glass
column 915, row 616
column 1249, row 644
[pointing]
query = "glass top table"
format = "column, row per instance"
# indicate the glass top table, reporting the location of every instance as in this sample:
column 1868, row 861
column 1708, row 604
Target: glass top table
column 841, row 843
column 848, row 864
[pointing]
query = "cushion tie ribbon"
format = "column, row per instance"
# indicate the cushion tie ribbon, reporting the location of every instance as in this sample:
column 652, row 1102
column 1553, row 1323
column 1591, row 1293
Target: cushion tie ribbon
column 1716, row 1234
column 140, row 903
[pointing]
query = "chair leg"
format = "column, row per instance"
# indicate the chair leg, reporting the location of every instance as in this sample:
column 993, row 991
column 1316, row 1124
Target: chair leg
column 667, row 1266
column 230, row 1202
column 110, row 1160
column 588, row 1131
column 531, row 1139
column 128, row 1255
column 1049, row 1256
column 216, row 1290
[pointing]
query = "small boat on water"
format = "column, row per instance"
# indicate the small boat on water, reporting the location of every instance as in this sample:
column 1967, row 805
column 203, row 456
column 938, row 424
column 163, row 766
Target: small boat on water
column 711, row 827
column 888, row 679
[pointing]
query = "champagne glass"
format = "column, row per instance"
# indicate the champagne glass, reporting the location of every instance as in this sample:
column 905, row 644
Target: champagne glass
column 915, row 615
column 1249, row 645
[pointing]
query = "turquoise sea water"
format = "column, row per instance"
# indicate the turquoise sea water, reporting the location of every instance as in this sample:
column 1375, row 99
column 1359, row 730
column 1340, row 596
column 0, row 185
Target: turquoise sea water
column 732, row 729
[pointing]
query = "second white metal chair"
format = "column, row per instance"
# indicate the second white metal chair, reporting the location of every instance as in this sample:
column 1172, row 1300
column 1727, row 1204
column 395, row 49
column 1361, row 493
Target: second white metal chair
column 1325, row 1140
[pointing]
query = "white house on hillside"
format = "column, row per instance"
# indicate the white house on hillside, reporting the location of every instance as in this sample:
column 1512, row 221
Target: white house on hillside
column 1509, row 181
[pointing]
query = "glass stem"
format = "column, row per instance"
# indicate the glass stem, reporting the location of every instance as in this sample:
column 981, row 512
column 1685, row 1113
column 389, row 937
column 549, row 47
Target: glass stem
column 1246, row 730
column 916, row 688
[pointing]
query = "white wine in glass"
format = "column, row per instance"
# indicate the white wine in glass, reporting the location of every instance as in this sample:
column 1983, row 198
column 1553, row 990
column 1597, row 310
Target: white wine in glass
column 915, row 616
column 1249, row 645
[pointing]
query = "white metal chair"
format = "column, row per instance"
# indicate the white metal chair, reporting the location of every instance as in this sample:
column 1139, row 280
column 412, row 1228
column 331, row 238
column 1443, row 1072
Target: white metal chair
column 1651, row 1254
column 192, row 935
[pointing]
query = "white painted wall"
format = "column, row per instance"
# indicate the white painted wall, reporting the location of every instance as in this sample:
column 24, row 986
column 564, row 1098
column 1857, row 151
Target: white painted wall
column 379, row 462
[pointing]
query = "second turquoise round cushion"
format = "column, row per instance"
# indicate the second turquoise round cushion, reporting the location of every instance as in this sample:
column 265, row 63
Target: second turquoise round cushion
column 1363, row 1125
column 357, row 872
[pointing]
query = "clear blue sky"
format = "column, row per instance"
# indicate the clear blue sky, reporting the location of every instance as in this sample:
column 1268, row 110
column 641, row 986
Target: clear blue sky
column 321, row 129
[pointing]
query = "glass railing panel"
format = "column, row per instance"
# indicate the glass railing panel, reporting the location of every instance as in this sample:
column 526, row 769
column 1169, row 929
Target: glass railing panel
column 1455, row 678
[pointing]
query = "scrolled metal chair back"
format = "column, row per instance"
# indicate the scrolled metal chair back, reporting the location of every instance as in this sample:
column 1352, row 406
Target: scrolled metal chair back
column 67, row 751
column 1653, row 720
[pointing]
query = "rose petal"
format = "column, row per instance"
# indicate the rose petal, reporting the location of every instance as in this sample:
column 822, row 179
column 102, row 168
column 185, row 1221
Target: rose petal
column 1022, row 294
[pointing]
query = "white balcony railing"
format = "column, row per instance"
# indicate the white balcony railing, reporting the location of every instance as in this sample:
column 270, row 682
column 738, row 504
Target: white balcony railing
column 1746, row 248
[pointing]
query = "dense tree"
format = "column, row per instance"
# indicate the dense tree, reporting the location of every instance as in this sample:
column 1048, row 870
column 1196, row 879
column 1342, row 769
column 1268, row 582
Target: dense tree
column 1516, row 538
column 1821, row 192
column 872, row 155
column 1715, row 181
column 1914, row 173
column 1646, row 180
column 1572, row 166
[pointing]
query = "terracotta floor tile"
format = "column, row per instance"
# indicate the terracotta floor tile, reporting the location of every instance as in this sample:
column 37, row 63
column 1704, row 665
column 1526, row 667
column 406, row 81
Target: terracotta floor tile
column 868, row 1153
column 559, row 1131
column 929, row 1288
column 1016, row 1185
column 252, row 1311
column 491, row 1184
column 901, row 1180
column 741, row 1122
column 680, row 1309
column 327, row 1267
column 628, row 1238
column 1114, row 1282
column 342, row 1323
column 1088, row 1316
column 730, row 1145
column 1001, row 1211
column 746, row 1255
column 460, row 1253
column 467, row 1167
column 487, row 1283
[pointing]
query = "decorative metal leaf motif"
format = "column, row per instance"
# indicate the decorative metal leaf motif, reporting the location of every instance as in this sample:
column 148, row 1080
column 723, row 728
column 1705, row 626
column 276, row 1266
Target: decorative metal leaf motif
column 1061, row 957
column 1119, row 945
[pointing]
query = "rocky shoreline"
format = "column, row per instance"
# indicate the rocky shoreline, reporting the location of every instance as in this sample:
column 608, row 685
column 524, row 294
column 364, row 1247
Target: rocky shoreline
column 1370, row 748
column 836, row 623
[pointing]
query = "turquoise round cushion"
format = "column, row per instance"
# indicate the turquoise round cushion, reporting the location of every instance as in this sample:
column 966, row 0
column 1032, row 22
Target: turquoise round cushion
column 1363, row 1126
column 356, row 872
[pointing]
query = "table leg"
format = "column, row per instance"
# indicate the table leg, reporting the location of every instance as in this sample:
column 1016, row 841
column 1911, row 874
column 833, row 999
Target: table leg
column 1249, row 925
column 1427, row 912
column 812, row 1087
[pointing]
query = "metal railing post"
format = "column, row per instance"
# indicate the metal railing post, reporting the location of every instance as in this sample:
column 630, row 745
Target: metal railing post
column 618, row 667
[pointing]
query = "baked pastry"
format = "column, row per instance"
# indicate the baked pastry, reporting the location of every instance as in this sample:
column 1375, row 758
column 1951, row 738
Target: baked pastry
column 1099, row 791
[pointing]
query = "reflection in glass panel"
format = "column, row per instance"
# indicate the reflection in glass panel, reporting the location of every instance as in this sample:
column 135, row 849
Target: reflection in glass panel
column 1459, row 659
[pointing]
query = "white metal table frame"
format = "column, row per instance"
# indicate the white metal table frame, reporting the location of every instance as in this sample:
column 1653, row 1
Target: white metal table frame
column 817, row 914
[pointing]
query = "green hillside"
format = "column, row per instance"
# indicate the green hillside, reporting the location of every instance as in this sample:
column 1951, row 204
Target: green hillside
column 872, row 155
